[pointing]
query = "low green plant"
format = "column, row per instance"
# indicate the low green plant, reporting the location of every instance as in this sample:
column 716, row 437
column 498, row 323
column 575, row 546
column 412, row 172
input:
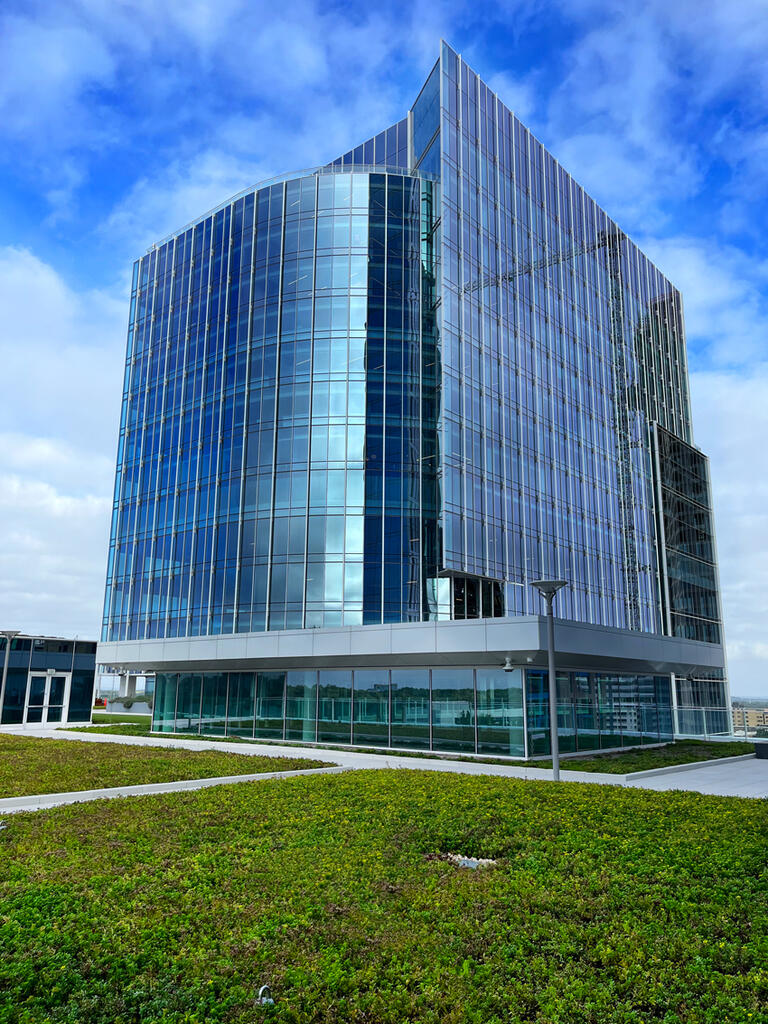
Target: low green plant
column 126, row 729
column 29, row 766
column 111, row 717
column 625, row 762
column 606, row 906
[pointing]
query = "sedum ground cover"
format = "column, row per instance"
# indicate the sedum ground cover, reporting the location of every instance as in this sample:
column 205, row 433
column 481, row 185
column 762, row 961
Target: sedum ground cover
column 122, row 728
column 606, row 905
column 110, row 717
column 642, row 759
column 30, row 766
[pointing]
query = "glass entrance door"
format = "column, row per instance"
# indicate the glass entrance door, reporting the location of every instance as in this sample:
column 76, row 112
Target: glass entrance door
column 46, row 698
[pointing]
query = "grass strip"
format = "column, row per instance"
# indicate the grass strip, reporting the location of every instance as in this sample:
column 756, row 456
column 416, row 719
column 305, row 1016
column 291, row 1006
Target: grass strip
column 108, row 717
column 30, row 766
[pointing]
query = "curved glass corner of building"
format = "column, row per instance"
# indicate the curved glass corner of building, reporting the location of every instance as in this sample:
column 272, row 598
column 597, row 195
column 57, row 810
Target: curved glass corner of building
column 277, row 463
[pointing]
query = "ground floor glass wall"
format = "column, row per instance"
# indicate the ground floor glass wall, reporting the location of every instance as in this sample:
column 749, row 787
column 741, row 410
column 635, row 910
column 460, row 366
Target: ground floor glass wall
column 459, row 710
column 449, row 709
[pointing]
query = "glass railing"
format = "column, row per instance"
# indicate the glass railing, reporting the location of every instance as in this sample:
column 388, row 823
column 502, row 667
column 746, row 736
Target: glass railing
column 706, row 723
column 603, row 726
column 584, row 726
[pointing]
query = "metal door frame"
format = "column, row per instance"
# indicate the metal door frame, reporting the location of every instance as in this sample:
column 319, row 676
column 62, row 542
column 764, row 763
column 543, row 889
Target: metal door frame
column 48, row 674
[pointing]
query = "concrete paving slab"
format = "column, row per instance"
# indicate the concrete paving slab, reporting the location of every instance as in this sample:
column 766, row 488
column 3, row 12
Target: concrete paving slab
column 692, row 766
column 745, row 778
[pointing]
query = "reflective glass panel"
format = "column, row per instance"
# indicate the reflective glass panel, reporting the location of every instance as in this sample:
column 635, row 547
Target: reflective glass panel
column 269, row 705
column 214, row 709
column 301, row 706
column 500, row 726
column 334, row 706
column 410, row 707
column 56, row 693
column 242, row 697
column 585, row 712
column 37, row 691
column 371, row 707
column 453, row 709
column 164, row 710
column 188, row 703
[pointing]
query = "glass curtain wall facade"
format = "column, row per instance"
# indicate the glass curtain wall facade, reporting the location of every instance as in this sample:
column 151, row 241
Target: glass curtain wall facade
column 562, row 351
column 277, row 465
column 561, row 344
column 691, row 598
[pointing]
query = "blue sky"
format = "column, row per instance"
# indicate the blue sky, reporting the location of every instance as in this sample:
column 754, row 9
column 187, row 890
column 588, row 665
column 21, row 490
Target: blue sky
column 121, row 120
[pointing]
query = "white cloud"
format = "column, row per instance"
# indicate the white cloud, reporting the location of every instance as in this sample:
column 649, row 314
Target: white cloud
column 62, row 356
column 609, row 120
column 63, row 350
column 726, row 307
column 518, row 94
column 52, row 559
column 723, row 44
column 731, row 419
column 63, row 466
column 185, row 190
column 128, row 77
column 636, row 114
column 47, row 67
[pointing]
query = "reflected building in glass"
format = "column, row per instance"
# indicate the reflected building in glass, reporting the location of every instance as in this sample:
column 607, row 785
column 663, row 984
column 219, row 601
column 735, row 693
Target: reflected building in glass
column 364, row 407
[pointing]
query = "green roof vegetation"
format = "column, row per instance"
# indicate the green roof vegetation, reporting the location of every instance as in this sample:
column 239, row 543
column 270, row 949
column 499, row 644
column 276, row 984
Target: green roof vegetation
column 606, row 906
column 29, row 767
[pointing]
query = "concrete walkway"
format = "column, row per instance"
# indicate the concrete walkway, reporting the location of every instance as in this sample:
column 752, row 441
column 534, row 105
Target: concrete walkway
column 14, row 804
column 744, row 776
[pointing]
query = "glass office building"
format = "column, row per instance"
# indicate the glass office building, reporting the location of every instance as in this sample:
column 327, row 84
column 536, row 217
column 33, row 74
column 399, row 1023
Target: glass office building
column 367, row 403
column 46, row 680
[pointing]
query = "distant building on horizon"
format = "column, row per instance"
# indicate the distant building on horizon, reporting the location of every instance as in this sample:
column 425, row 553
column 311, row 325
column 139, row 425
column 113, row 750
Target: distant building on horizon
column 750, row 718
column 364, row 408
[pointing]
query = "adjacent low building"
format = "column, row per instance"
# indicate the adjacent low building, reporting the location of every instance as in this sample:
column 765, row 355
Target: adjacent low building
column 364, row 408
column 46, row 680
column 750, row 718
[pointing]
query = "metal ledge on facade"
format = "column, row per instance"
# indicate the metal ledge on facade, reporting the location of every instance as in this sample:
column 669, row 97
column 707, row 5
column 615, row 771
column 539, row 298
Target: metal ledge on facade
column 469, row 642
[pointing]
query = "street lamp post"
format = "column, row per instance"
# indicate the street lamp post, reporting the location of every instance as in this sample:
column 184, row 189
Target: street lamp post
column 548, row 589
column 9, row 634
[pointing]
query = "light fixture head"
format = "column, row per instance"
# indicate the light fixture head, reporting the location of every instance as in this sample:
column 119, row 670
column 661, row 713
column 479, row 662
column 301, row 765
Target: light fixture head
column 508, row 666
column 548, row 588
